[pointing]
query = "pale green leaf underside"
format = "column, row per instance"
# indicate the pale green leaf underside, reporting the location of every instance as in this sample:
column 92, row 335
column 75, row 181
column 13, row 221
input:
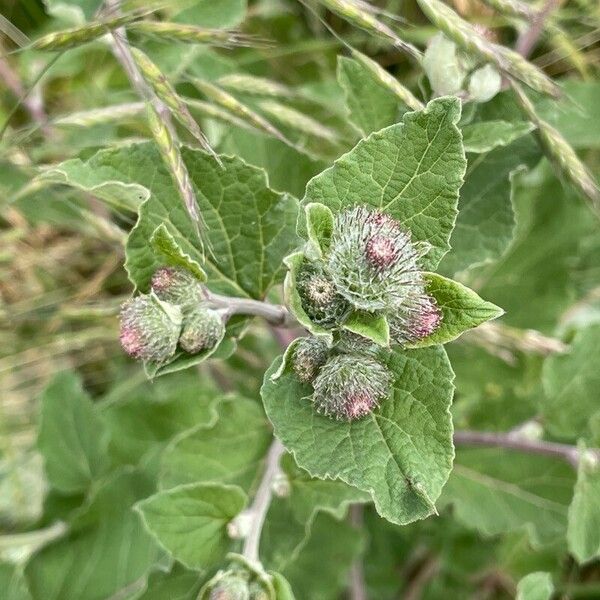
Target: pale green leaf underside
column 412, row 170
column 571, row 382
column 494, row 492
column 487, row 135
column 401, row 454
column 229, row 449
column 72, row 438
column 190, row 521
column 461, row 308
column 535, row 586
column 583, row 532
column 164, row 245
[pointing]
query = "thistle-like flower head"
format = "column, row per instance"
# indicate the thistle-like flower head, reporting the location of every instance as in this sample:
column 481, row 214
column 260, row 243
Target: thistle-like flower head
column 320, row 299
column 415, row 320
column 230, row 587
column 177, row 286
column 350, row 386
column 373, row 262
column 202, row 330
column 150, row 328
column 310, row 355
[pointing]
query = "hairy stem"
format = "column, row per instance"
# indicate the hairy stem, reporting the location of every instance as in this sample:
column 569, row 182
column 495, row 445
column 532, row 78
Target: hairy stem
column 262, row 500
column 275, row 314
column 358, row 590
column 529, row 38
column 570, row 454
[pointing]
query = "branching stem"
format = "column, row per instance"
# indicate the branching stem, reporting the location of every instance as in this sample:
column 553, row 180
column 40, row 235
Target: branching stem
column 262, row 501
column 570, row 454
column 275, row 314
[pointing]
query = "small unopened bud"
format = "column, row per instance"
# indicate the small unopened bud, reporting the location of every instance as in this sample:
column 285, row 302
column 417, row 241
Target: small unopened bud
column 231, row 587
column 281, row 487
column 415, row 321
column 350, row 386
column 373, row 263
column 484, row 84
column 320, row 299
column 150, row 328
column 202, row 330
column 177, row 286
column 310, row 355
column 239, row 528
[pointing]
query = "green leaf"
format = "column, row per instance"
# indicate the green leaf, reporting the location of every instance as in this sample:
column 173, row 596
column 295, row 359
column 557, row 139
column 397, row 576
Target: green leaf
column 228, row 449
column 164, row 245
column 250, row 228
column 413, row 171
column 583, row 532
column 484, row 136
column 401, row 453
column 495, row 492
column 106, row 550
column 485, row 226
column 283, row 590
column 535, row 586
column 319, row 226
column 372, row 326
column 461, row 307
column 571, row 384
column 151, row 414
column 12, row 583
column 371, row 106
column 104, row 183
column 218, row 15
column 190, row 521
column 72, row 438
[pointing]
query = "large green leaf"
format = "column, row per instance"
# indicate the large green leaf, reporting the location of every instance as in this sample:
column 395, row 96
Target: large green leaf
column 571, row 383
column 412, row 170
column 12, row 583
column 495, row 492
column 535, row 586
column 190, row 521
column 177, row 583
column 583, row 533
column 106, row 550
column 401, row 453
column 208, row 13
column 371, row 106
column 72, row 438
column 485, row 226
column 484, row 136
column 229, row 449
column 461, row 309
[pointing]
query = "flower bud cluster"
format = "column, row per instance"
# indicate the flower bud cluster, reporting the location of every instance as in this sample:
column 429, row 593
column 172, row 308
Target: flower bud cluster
column 371, row 265
column 152, row 324
column 235, row 583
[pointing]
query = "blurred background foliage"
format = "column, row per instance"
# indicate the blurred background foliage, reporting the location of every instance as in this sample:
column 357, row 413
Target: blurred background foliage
column 502, row 515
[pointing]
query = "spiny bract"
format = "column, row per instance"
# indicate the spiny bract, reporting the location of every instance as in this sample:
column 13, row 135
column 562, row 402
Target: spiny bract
column 310, row 355
column 350, row 386
column 177, row 286
column 150, row 328
column 373, row 262
column 417, row 319
column 202, row 330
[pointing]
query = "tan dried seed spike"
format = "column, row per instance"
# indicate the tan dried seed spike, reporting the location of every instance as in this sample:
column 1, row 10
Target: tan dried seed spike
column 560, row 152
column 191, row 34
column 232, row 104
column 387, row 80
column 299, row 121
column 513, row 8
column 256, row 86
column 468, row 38
column 361, row 14
column 97, row 116
column 166, row 92
column 215, row 112
column 174, row 161
column 76, row 36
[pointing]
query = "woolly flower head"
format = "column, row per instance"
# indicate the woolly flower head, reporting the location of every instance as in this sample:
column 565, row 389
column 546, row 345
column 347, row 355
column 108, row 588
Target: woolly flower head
column 149, row 328
column 417, row 319
column 349, row 386
column 176, row 285
column 309, row 356
column 202, row 330
column 373, row 262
